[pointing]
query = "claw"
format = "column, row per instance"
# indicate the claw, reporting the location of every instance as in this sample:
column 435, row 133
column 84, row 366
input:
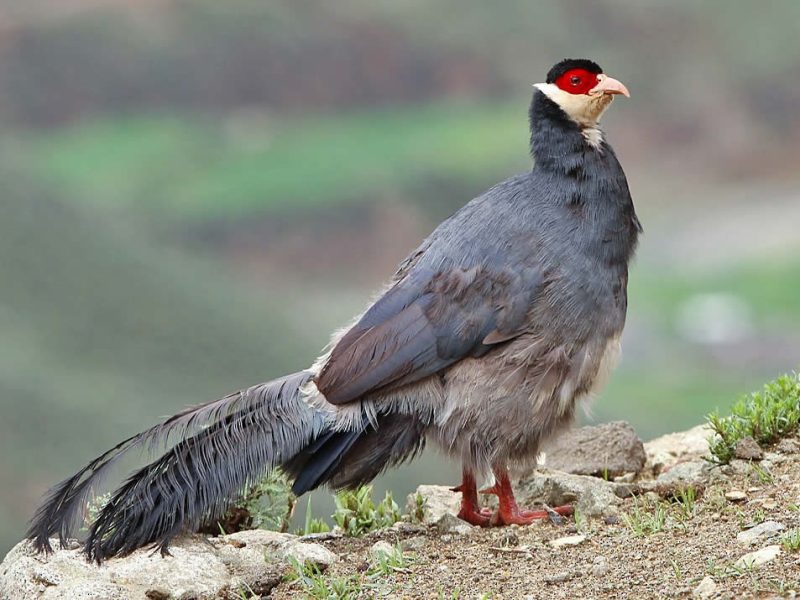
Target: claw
column 491, row 490
column 508, row 513
column 481, row 518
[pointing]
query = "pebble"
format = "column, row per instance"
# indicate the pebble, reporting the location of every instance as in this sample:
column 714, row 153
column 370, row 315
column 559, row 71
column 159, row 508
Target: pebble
column 652, row 497
column 787, row 446
column 773, row 458
column 760, row 533
column 705, row 589
column 414, row 543
column 600, row 566
column 735, row 496
column 769, row 504
column 748, row 449
column 405, row 527
column 625, row 478
column 559, row 577
column 450, row 523
column 759, row 557
column 321, row 537
column 570, row 540
column 382, row 547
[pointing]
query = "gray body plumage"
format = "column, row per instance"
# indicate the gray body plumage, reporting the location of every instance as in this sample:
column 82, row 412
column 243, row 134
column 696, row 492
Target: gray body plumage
column 487, row 336
column 541, row 263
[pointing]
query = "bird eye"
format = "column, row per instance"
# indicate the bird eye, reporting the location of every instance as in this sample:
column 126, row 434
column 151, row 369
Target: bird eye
column 574, row 80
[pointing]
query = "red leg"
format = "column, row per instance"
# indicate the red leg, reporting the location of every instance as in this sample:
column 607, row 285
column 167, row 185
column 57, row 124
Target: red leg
column 471, row 512
column 508, row 512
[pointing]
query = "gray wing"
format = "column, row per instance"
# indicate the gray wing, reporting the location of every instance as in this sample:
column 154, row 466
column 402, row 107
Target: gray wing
column 430, row 319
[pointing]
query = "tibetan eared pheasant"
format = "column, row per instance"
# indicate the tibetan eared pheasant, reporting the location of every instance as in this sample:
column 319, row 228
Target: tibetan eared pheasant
column 484, row 340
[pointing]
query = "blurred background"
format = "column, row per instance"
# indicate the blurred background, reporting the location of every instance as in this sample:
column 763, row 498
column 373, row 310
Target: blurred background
column 195, row 193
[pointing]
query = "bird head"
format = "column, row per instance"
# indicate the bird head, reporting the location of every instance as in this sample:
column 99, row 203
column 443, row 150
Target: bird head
column 580, row 88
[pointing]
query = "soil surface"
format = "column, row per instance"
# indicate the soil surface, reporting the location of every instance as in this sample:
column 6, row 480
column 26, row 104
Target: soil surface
column 613, row 561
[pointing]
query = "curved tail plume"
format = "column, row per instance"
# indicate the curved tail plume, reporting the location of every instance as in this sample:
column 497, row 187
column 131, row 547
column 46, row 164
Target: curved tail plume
column 214, row 451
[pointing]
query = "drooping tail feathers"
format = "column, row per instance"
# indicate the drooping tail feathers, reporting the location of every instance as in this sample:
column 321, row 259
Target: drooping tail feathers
column 213, row 452
column 216, row 450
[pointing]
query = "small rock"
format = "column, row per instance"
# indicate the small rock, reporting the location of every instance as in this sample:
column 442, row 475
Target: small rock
column 414, row 544
column 787, row 446
column 759, row 557
column 310, row 553
column 438, row 500
column 323, row 536
column 406, row 527
column 771, row 459
column 600, row 566
column 691, row 472
column 610, row 449
column 737, row 466
column 570, row 540
column 760, row 533
column 381, row 548
column 559, row 577
column 652, row 497
column 735, row 496
column 593, row 497
column 748, row 449
column 450, row 523
column 668, row 450
column 769, row 504
column 705, row 589
column 626, row 490
column 626, row 478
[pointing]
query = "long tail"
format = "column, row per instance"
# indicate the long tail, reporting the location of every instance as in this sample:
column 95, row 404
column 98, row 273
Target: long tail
column 210, row 454
column 213, row 452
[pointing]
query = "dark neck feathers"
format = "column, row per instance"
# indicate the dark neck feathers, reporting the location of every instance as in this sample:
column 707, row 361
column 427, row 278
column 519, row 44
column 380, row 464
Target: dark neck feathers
column 557, row 142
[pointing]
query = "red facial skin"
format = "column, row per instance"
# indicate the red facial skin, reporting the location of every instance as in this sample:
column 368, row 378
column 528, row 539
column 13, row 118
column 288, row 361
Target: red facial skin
column 577, row 81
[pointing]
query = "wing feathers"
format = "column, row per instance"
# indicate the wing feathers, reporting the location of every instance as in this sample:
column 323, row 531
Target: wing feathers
column 426, row 322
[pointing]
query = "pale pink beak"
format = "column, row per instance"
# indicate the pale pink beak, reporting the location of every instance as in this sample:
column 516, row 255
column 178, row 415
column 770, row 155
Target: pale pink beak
column 609, row 85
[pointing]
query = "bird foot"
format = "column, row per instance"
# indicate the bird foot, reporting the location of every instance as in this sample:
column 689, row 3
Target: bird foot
column 481, row 517
column 510, row 514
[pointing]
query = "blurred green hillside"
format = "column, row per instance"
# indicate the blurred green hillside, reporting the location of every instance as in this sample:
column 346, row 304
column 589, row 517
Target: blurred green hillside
column 197, row 193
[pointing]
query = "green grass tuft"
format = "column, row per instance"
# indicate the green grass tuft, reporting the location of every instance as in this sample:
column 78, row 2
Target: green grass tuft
column 313, row 524
column 267, row 504
column 316, row 586
column 766, row 416
column 374, row 583
column 357, row 514
column 645, row 519
column 387, row 563
column 686, row 501
column 791, row 540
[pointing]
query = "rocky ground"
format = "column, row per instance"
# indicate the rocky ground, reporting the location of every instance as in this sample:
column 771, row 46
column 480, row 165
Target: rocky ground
column 652, row 521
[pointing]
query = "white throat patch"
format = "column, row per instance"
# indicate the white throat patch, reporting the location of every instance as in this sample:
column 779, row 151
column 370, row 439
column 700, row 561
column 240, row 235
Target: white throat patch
column 585, row 110
column 594, row 136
